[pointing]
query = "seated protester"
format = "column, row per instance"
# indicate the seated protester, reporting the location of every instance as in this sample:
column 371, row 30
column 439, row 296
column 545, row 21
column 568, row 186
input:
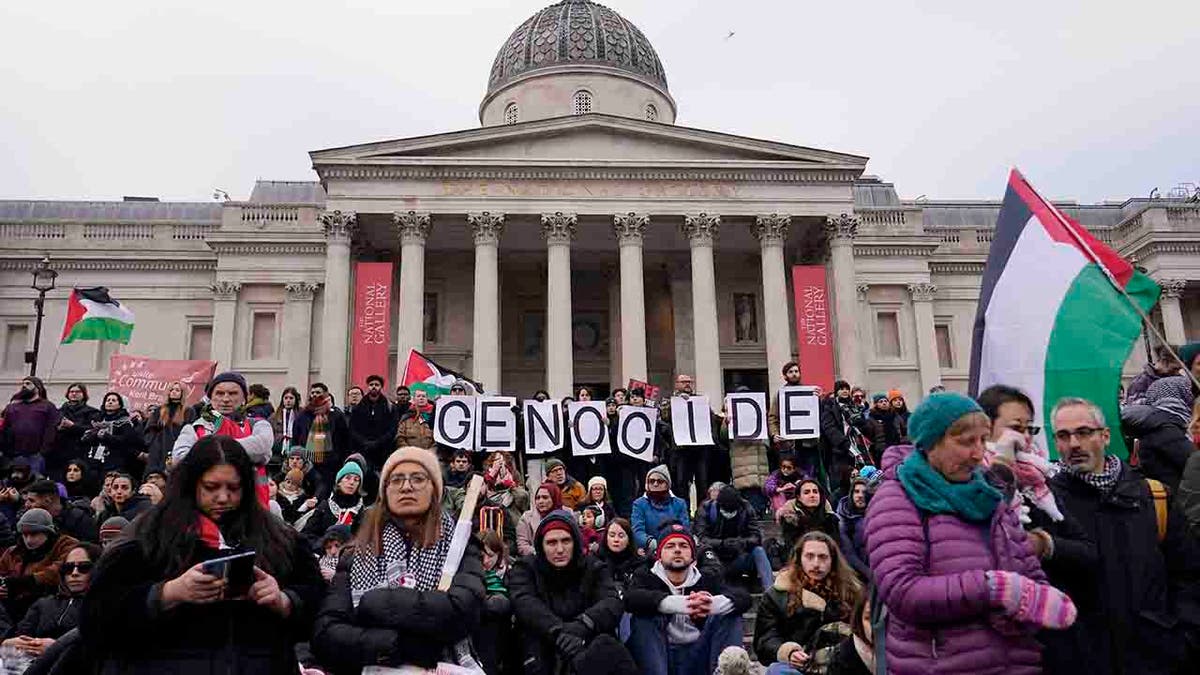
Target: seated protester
column 384, row 608
column 729, row 528
column 312, row 484
column 815, row 589
column 222, row 415
column 123, row 501
column 102, row 500
column 152, row 608
column 572, row 490
column 656, row 507
column 855, row 654
column 807, row 512
column 459, row 472
column 51, row 616
column 494, row 640
column 80, row 482
column 617, row 551
column 682, row 616
column 331, row 545
column 1160, row 426
column 293, row 501
column 343, row 507
column 546, row 498
column 780, row 486
column 415, row 428
column 749, row 467
column 597, row 494
column 322, row 430
column 504, row 500
column 370, row 481
column 20, row 477
column 29, row 568
column 591, row 522
column 114, row 442
column 111, row 530
column 157, row 479
column 68, row 518
column 566, row 605
column 852, row 530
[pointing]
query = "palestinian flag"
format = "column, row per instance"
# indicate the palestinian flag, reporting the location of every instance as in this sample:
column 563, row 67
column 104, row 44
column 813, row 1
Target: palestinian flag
column 1056, row 313
column 421, row 372
column 93, row 315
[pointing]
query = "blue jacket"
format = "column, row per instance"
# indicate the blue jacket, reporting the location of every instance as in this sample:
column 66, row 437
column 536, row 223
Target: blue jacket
column 648, row 517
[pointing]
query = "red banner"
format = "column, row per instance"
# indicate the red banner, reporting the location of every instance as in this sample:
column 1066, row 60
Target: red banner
column 813, row 332
column 650, row 390
column 143, row 382
column 372, row 331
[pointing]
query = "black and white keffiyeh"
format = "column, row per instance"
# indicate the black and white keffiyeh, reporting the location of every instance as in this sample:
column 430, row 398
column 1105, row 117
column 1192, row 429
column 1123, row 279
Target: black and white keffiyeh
column 1105, row 479
column 401, row 563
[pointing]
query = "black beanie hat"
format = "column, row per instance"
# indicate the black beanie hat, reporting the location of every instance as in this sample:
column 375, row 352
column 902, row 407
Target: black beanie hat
column 227, row 376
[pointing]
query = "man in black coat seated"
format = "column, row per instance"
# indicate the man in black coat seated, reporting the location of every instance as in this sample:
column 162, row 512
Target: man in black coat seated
column 566, row 605
column 727, row 526
column 683, row 617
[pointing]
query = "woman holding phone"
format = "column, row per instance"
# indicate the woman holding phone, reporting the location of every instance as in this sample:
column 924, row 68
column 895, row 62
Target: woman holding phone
column 154, row 607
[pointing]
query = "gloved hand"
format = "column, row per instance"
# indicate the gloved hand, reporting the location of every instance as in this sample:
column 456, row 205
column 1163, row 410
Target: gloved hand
column 1028, row 601
column 569, row 645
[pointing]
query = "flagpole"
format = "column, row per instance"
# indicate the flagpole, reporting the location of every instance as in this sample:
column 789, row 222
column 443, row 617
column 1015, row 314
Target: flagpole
column 1112, row 279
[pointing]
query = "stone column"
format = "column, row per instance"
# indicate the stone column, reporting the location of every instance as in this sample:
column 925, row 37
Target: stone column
column 559, row 229
column 927, row 356
column 1172, row 315
column 771, row 232
column 335, row 323
column 225, row 295
column 412, row 229
column 485, row 360
column 701, row 232
column 630, row 229
column 297, row 332
column 841, row 231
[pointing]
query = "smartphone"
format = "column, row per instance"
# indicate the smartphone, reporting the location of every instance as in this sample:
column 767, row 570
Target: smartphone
column 237, row 570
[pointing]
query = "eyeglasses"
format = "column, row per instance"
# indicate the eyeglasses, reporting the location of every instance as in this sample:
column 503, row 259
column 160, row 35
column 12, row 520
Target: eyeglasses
column 655, row 481
column 71, row 567
column 416, row 480
column 1084, row 433
column 1031, row 429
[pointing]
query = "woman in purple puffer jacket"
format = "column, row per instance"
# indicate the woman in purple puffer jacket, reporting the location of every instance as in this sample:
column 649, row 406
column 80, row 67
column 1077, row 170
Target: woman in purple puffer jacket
column 964, row 592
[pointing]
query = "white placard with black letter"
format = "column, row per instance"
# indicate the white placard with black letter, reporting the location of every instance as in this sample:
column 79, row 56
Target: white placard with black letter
column 691, row 420
column 543, row 422
column 454, row 421
column 588, row 422
column 495, row 424
column 635, row 431
column 748, row 413
column 799, row 413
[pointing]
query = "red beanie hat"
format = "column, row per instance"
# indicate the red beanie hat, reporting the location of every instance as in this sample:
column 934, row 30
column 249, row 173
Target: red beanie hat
column 675, row 531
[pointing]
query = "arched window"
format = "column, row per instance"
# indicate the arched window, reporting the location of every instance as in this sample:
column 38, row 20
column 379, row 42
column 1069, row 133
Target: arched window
column 583, row 102
column 510, row 113
column 651, row 112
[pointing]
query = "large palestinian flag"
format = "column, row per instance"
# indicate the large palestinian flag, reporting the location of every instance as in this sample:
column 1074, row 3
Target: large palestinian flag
column 1056, row 315
column 93, row 315
column 421, row 372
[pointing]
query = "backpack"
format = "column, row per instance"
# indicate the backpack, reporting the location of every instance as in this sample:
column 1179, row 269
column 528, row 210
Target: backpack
column 1158, row 492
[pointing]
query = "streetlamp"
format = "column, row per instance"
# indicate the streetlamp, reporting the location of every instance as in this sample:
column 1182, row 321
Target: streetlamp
column 43, row 282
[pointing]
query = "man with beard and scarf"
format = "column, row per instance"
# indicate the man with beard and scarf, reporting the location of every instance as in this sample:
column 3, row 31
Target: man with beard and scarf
column 728, row 526
column 373, row 424
column 1160, row 426
column 566, row 605
column 850, row 512
column 20, row 477
column 29, row 568
column 1137, row 596
column 115, row 443
column 77, row 417
column 30, row 424
column 683, row 616
column 656, row 507
column 322, row 431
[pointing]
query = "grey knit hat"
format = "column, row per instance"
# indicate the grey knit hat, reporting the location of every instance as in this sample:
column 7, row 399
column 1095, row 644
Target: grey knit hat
column 36, row 520
column 662, row 471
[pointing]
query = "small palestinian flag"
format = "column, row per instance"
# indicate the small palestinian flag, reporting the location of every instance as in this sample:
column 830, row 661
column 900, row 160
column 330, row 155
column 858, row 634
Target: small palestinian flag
column 93, row 315
column 1057, row 314
column 422, row 373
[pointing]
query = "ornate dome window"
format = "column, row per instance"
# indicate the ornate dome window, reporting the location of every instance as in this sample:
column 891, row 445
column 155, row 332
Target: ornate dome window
column 510, row 113
column 583, row 102
column 651, row 112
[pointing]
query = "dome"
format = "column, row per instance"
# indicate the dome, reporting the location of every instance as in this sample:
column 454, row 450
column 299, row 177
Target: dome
column 576, row 32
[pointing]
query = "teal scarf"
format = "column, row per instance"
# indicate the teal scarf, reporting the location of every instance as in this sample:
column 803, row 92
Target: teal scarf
column 974, row 501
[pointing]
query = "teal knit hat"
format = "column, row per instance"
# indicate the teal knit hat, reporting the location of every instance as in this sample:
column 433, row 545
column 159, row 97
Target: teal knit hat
column 1188, row 353
column 347, row 469
column 929, row 422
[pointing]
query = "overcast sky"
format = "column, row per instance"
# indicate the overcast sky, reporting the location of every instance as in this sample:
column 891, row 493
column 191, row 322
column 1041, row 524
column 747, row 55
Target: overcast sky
column 1094, row 100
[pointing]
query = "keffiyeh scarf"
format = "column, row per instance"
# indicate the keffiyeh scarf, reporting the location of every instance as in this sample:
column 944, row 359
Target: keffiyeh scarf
column 1105, row 479
column 401, row 563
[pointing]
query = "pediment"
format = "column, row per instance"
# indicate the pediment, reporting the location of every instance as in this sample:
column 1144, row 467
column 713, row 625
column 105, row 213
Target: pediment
column 602, row 138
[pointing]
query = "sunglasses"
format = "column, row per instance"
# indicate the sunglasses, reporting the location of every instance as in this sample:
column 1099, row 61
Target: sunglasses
column 71, row 567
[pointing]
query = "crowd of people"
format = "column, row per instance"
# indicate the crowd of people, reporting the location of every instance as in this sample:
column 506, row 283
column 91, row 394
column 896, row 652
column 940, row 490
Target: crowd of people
column 254, row 536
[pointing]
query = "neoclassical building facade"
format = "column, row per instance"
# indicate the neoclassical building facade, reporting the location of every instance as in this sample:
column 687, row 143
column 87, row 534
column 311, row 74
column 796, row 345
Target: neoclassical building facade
column 578, row 236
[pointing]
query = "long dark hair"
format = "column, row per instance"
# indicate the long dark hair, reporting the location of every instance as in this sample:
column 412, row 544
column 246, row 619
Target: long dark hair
column 169, row 536
column 278, row 414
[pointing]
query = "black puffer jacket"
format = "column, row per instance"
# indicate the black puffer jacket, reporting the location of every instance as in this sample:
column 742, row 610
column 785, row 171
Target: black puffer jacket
column 548, row 600
column 50, row 617
column 646, row 590
column 727, row 537
column 1163, row 442
column 775, row 626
